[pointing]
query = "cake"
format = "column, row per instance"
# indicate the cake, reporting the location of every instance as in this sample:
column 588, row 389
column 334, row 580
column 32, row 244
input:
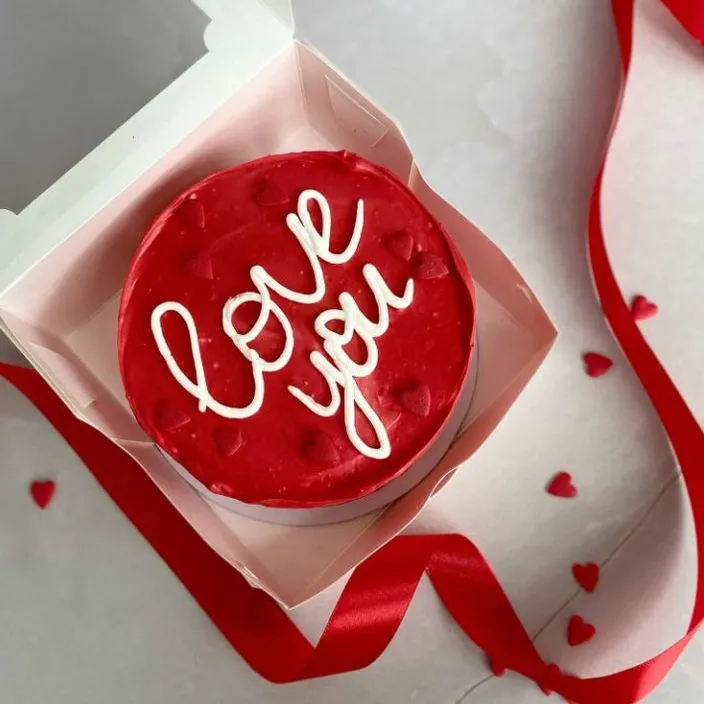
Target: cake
column 296, row 332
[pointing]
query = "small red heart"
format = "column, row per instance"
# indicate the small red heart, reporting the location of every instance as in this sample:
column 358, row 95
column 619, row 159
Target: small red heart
column 586, row 575
column 227, row 441
column 389, row 416
column 417, row 400
column 642, row 308
column 200, row 266
column 497, row 668
column 579, row 631
column 191, row 213
column 42, row 492
column 400, row 245
column 431, row 266
column 561, row 485
column 321, row 448
column 270, row 194
column 551, row 672
column 596, row 364
column 222, row 488
column 170, row 417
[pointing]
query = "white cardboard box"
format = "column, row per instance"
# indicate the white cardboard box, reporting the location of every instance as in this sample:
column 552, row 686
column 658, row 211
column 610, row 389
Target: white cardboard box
column 257, row 91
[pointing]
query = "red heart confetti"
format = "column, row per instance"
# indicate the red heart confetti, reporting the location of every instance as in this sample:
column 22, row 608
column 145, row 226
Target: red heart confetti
column 431, row 266
column 561, row 485
column 595, row 364
column 579, row 631
column 201, row 267
column 42, row 491
column 191, row 212
column 222, row 488
column 586, row 575
column 170, row 417
column 270, row 194
column 321, row 448
column 497, row 668
column 227, row 441
column 417, row 400
column 400, row 245
column 642, row 308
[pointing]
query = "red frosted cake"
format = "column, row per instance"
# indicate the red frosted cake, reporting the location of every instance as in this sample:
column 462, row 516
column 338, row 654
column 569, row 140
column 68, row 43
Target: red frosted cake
column 296, row 331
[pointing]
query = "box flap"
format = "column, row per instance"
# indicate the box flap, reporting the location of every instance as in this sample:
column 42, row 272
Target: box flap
column 283, row 9
column 237, row 25
column 249, row 10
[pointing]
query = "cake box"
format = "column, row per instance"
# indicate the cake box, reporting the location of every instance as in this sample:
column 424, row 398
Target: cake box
column 259, row 89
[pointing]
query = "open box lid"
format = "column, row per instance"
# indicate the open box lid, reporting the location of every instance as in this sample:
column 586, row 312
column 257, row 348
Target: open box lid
column 241, row 38
column 239, row 24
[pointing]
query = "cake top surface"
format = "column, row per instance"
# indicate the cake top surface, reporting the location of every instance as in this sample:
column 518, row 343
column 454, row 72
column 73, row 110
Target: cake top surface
column 295, row 331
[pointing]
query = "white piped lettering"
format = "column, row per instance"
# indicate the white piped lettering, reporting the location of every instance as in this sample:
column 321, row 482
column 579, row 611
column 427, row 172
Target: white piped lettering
column 339, row 370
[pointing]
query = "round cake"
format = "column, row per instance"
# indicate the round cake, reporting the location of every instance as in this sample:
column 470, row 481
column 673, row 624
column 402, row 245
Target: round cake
column 296, row 331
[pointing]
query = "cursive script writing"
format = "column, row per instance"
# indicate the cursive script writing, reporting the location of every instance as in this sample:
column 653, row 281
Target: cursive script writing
column 339, row 370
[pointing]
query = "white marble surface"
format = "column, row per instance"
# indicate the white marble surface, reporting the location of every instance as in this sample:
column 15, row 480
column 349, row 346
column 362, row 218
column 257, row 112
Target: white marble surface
column 506, row 105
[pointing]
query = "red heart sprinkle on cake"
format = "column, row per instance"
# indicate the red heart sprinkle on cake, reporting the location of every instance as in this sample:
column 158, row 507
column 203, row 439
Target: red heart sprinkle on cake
column 417, row 400
column 221, row 488
column 642, row 308
column 270, row 195
column 200, row 266
column 596, row 364
column 561, row 485
column 227, row 441
column 321, row 448
column 389, row 416
column 579, row 631
column 170, row 417
column 586, row 575
column 191, row 213
column 430, row 266
column 42, row 492
column 400, row 245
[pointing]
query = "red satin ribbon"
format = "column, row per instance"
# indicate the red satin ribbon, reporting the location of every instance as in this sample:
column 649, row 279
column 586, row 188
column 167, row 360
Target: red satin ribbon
column 380, row 590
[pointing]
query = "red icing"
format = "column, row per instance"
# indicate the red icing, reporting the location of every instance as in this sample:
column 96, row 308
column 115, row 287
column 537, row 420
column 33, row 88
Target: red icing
column 42, row 492
column 431, row 266
column 168, row 417
column 321, row 448
column 579, row 631
column 271, row 194
column 244, row 224
column 561, row 485
column 417, row 400
column 200, row 266
column 191, row 213
column 222, row 489
column 227, row 441
column 586, row 575
column 400, row 244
